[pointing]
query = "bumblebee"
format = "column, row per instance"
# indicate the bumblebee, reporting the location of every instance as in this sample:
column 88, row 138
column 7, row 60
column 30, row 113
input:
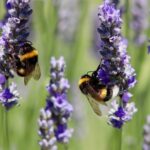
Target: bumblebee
column 26, row 63
column 96, row 92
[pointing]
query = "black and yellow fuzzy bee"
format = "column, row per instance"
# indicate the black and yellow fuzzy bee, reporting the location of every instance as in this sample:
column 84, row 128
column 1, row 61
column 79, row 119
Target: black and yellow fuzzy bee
column 96, row 92
column 26, row 63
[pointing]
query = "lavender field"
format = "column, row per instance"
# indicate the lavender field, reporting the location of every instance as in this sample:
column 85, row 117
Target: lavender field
column 74, row 75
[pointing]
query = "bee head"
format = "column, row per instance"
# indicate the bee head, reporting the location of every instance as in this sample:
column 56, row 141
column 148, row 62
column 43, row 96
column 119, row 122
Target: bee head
column 85, row 76
column 83, row 83
column 25, row 48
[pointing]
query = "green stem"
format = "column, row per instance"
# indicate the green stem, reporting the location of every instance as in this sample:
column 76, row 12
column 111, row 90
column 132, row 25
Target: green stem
column 127, row 19
column 6, row 130
column 121, row 130
column 118, row 134
column 66, row 147
column 115, row 141
column 2, row 131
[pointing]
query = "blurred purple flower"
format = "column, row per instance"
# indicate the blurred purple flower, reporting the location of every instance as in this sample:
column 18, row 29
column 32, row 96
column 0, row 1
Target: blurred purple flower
column 68, row 18
column 95, row 44
column 148, row 49
column 115, row 68
column 58, row 107
column 146, row 142
column 139, row 20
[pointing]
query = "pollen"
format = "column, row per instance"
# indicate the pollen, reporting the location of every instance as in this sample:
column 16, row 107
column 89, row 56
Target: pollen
column 21, row 71
column 103, row 93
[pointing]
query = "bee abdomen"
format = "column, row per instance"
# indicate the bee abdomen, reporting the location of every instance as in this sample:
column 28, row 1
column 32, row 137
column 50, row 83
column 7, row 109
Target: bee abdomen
column 112, row 92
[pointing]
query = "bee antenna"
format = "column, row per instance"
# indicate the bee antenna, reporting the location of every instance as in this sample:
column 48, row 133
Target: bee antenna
column 90, row 72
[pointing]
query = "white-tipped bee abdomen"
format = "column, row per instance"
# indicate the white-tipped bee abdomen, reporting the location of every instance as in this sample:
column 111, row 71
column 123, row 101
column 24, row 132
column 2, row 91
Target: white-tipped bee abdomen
column 115, row 91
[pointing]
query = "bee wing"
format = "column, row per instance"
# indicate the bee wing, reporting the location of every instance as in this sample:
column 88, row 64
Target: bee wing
column 95, row 105
column 37, row 72
column 27, row 78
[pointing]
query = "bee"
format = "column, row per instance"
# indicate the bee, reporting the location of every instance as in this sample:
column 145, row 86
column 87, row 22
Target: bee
column 96, row 92
column 26, row 63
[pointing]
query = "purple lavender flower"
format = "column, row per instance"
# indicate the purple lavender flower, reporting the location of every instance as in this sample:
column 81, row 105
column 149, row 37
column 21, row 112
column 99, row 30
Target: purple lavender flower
column 139, row 20
column 68, row 18
column 8, row 94
column 115, row 68
column 15, row 30
column 14, row 33
column 14, row 36
column 46, row 131
column 146, row 143
column 118, row 115
column 54, row 118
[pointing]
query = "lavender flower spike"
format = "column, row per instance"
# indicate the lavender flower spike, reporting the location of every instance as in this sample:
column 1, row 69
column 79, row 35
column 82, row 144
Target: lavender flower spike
column 53, row 119
column 115, row 68
column 139, row 20
column 15, row 31
column 46, row 131
column 14, row 34
column 146, row 143
column 68, row 19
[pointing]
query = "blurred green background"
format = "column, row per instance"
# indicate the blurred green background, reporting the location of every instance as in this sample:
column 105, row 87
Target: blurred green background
column 91, row 132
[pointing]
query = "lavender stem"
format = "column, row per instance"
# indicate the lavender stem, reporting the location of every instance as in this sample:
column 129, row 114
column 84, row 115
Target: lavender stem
column 6, row 130
column 121, row 131
column 127, row 19
column 66, row 147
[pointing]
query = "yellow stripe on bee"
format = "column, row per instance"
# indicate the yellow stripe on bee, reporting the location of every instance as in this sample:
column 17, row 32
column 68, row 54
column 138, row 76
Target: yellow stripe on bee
column 82, row 80
column 28, row 55
column 103, row 93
